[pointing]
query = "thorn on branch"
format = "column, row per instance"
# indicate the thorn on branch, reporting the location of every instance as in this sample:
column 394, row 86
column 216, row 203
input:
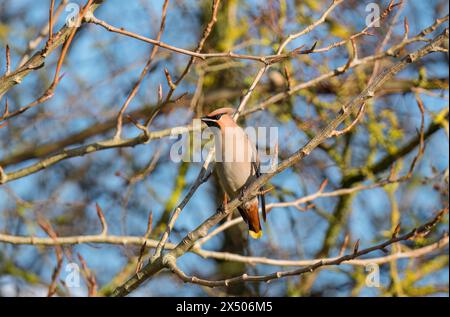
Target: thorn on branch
column 344, row 245
column 356, row 247
column 406, row 27
column 299, row 51
column 392, row 5
column 169, row 80
column 101, row 216
column 140, row 262
column 160, row 95
column 8, row 60
column 323, row 185
column 149, row 225
column 396, row 231
column 311, row 49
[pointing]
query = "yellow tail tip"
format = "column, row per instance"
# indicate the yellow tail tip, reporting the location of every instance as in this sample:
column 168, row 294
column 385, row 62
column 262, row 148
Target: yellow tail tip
column 255, row 235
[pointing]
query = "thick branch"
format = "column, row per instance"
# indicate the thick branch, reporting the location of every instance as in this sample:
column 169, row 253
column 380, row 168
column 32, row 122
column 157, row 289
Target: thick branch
column 222, row 256
column 424, row 229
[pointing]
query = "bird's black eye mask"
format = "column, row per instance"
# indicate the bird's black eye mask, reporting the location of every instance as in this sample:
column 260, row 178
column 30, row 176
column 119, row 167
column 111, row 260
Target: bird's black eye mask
column 211, row 121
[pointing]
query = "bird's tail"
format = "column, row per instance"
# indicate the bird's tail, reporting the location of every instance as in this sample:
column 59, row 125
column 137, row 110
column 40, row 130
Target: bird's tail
column 255, row 235
column 251, row 217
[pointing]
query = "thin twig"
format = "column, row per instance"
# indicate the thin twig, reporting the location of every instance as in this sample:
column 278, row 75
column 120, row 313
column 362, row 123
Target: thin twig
column 144, row 72
column 50, row 21
column 46, row 226
column 89, row 276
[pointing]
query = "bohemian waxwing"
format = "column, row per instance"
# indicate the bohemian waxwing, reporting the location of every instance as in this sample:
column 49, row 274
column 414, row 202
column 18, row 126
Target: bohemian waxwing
column 237, row 164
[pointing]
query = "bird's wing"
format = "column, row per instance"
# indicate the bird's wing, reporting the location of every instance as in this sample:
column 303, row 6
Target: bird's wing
column 256, row 164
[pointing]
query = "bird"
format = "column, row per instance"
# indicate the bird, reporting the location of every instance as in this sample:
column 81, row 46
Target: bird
column 237, row 164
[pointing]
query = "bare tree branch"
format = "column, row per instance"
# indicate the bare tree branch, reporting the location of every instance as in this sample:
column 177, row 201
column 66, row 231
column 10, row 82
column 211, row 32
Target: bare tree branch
column 201, row 231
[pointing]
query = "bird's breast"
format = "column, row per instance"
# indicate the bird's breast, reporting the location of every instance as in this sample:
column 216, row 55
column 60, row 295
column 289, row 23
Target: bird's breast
column 233, row 176
column 234, row 166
